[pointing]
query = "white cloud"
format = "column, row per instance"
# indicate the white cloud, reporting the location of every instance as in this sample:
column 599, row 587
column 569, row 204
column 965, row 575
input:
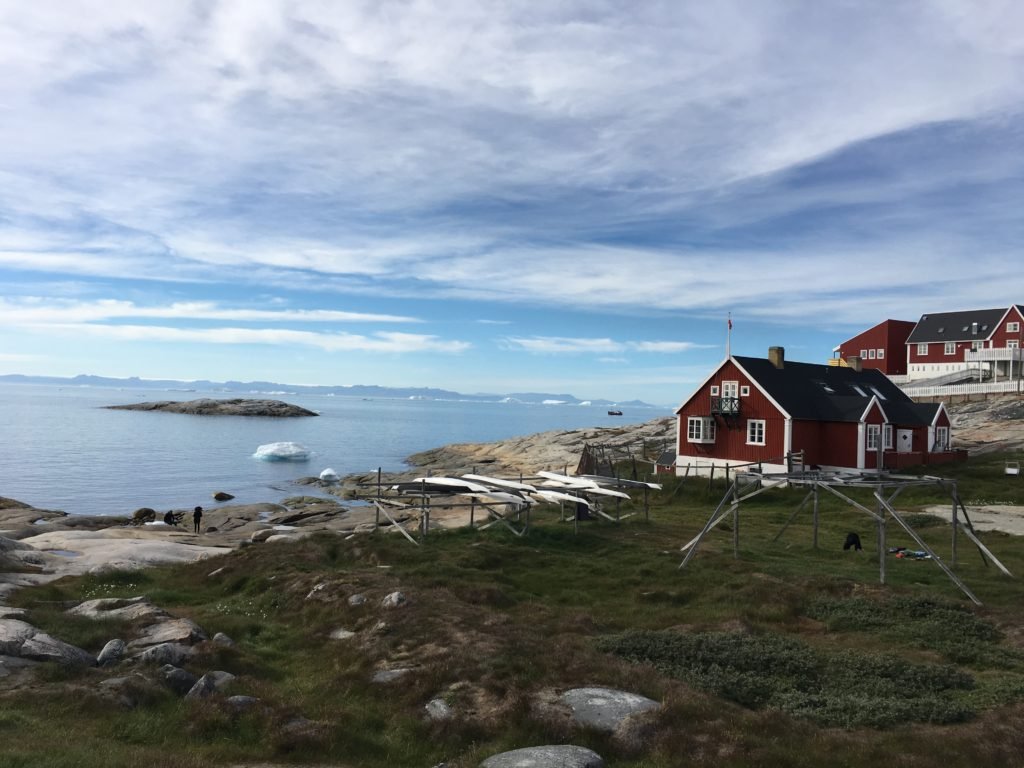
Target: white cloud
column 564, row 345
column 329, row 342
column 42, row 311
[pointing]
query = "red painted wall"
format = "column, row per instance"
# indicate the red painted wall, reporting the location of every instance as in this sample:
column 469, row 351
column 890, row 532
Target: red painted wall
column 890, row 337
column 731, row 436
column 839, row 444
column 1000, row 336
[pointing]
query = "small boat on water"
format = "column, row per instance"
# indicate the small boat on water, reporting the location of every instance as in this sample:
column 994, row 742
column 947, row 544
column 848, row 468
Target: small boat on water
column 614, row 413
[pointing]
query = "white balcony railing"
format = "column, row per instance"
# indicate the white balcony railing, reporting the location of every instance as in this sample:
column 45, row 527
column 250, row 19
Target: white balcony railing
column 986, row 355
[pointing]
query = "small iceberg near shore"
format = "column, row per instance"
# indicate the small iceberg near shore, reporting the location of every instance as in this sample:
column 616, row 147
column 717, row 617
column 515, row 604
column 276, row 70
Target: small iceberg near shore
column 282, row 452
column 329, row 476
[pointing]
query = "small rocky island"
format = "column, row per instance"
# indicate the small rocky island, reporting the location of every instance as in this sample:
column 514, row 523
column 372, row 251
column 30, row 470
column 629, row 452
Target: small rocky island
column 211, row 407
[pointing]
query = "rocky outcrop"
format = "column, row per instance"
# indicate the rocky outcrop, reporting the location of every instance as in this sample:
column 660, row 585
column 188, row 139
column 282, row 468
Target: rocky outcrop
column 214, row 407
column 554, row 756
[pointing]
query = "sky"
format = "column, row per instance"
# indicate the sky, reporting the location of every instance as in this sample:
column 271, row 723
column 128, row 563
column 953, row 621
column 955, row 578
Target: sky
column 567, row 197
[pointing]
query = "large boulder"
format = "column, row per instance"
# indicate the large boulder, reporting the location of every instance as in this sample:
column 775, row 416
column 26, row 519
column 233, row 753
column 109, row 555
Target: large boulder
column 112, row 653
column 165, row 653
column 177, row 679
column 43, row 647
column 119, row 608
column 553, row 756
column 181, row 631
column 13, row 634
column 605, row 709
column 209, row 684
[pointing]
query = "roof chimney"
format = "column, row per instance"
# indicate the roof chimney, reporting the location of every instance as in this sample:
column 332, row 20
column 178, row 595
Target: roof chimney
column 777, row 356
column 854, row 362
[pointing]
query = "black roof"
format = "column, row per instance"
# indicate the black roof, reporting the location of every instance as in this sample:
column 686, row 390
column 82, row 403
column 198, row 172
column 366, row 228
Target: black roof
column 834, row 393
column 956, row 326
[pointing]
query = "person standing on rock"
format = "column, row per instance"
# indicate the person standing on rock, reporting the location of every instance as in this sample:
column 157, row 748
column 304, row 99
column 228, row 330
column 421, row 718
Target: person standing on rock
column 197, row 517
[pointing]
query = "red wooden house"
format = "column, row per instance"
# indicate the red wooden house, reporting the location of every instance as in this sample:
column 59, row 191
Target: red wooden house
column 989, row 340
column 883, row 347
column 755, row 411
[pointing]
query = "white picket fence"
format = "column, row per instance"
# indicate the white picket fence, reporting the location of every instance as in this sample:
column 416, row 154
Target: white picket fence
column 964, row 389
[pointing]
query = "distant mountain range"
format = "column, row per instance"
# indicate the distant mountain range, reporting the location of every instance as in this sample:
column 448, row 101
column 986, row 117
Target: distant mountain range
column 274, row 388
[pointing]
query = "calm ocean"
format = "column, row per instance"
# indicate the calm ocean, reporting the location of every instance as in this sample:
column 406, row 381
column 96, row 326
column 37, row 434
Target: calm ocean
column 60, row 449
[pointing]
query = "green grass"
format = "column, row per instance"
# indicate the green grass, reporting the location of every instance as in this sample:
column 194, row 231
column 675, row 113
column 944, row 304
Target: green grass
column 788, row 655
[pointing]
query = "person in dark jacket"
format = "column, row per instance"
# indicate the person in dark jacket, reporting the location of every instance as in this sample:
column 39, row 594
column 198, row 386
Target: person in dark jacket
column 197, row 517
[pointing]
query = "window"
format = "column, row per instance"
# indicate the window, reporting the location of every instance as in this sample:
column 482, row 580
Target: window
column 941, row 439
column 730, row 389
column 755, row 431
column 922, row 349
column 744, row 391
column 881, row 354
column 871, row 354
column 863, row 354
column 976, row 345
column 878, row 394
column 887, row 436
column 714, row 390
column 950, row 348
column 700, row 429
column 858, row 390
column 1012, row 344
column 1013, row 327
column 872, row 436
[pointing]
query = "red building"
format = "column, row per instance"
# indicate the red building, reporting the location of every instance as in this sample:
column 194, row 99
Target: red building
column 883, row 347
column 986, row 340
column 761, row 411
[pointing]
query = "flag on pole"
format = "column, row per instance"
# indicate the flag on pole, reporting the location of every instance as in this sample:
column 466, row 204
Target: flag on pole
column 730, row 322
column 728, row 338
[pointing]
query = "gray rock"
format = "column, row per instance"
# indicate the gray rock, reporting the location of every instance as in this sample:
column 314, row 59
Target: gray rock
column 177, row 679
column 112, row 653
column 389, row 675
column 209, row 684
column 208, row 406
column 165, row 653
column 283, row 538
column 183, row 631
column 393, row 600
column 13, row 634
column 43, row 647
column 342, row 634
column 605, row 708
column 222, row 496
column 553, row 756
column 7, row 612
column 438, row 710
column 355, row 600
column 318, row 592
column 261, row 535
column 122, row 609
column 221, row 639
column 242, row 703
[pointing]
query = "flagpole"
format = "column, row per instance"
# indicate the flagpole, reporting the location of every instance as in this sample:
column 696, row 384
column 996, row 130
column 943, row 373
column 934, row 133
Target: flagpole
column 728, row 338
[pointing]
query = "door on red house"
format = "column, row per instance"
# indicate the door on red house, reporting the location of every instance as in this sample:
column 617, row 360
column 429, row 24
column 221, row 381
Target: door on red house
column 904, row 440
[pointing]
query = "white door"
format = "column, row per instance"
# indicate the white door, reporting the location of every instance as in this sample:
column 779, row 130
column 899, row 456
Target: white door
column 904, row 440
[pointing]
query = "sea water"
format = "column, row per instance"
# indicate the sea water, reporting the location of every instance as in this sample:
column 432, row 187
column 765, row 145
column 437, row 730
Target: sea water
column 61, row 449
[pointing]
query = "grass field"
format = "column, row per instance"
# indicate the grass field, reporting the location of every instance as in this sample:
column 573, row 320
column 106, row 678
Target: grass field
column 786, row 656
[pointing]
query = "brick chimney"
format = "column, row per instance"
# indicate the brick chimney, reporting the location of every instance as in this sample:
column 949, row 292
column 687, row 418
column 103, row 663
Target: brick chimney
column 777, row 356
column 854, row 361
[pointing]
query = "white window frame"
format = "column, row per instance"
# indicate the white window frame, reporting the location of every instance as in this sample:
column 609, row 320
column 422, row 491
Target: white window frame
column 887, row 431
column 1013, row 327
column 881, row 354
column 863, row 354
column 950, row 348
column 700, row 429
column 922, row 348
column 745, row 391
column 941, row 438
column 976, row 345
column 714, row 390
column 871, row 354
column 730, row 389
column 1012, row 344
column 871, row 437
column 756, row 428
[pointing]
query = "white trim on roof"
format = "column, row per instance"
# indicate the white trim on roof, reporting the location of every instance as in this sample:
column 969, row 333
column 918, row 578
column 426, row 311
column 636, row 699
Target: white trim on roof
column 696, row 392
column 874, row 401
column 762, row 390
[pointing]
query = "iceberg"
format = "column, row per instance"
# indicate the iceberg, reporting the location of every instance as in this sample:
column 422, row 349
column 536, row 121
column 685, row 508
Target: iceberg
column 282, row 452
column 329, row 476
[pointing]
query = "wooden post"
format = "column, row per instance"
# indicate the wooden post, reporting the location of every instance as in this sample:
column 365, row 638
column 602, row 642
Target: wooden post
column 646, row 507
column 735, row 528
column 378, row 483
column 472, row 509
column 956, row 525
column 423, row 508
column 881, row 541
column 711, row 475
column 815, row 515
